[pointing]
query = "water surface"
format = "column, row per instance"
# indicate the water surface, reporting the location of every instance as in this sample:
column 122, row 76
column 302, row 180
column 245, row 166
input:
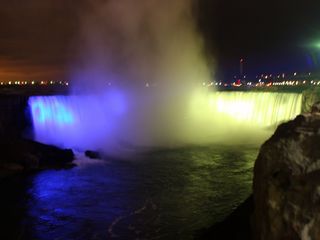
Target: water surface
column 162, row 194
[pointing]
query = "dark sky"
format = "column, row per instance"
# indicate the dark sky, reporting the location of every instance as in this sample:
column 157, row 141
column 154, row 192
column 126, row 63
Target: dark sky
column 36, row 36
column 270, row 35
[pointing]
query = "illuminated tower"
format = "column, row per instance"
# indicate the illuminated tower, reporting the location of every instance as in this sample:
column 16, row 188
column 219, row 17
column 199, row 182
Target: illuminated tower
column 241, row 67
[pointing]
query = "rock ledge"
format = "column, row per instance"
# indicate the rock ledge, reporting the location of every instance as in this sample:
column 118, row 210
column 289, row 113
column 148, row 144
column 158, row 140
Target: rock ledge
column 287, row 182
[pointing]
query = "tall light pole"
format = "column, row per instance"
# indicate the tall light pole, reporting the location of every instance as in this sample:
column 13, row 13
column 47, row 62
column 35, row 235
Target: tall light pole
column 241, row 67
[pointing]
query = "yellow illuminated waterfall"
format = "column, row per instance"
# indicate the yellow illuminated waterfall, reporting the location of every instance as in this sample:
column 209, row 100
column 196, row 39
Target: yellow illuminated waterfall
column 258, row 108
column 202, row 117
column 248, row 116
column 262, row 109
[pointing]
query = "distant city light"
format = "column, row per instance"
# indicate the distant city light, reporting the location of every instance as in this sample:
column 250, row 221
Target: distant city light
column 291, row 79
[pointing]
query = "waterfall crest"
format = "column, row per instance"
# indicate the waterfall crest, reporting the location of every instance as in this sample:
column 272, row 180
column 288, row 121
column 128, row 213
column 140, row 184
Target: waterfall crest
column 111, row 120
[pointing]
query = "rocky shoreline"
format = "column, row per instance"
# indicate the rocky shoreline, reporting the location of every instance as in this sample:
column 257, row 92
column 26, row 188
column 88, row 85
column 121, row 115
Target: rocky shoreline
column 20, row 158
column 286, row 187
column 24, row 155
column 18, row 153
column 286, row 182
column 237, row 226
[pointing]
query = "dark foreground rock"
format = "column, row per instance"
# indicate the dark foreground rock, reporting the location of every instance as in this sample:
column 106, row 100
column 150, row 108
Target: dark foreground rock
column 287, row 182
column 93, row 154
column 19, row 159
column 21, row 155
column 309, row 97
column 13, row 205
column 236, row 226
column 286, row 187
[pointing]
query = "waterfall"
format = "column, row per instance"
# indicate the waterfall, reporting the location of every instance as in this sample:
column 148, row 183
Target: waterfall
column 76, row 121
column 90, row 122
column 262, row 109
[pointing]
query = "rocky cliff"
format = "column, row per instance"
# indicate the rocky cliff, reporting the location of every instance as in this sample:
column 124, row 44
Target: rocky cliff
column 309, row 97
column 287, row 182
column 14, row 118
column 18, row 153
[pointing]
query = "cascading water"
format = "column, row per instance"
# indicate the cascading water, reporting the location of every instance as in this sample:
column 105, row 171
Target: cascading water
column 107, row 121
column 259, row 109
column 76, row 121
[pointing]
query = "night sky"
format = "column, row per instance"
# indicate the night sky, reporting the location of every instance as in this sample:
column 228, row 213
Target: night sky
column 37, row 36
column 272, row 36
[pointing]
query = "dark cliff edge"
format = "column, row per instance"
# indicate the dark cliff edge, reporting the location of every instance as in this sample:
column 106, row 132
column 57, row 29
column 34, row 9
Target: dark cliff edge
column 286, row 183
column 237, row 226
column 19, row 159
column 19, row 153
column 309, row 97
column 286, row 187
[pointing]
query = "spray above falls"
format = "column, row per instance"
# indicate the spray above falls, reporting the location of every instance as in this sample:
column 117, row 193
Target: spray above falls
column 151, row 54
column 133, row 44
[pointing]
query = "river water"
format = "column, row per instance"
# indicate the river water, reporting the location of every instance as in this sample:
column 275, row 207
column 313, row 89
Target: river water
column 160, row 194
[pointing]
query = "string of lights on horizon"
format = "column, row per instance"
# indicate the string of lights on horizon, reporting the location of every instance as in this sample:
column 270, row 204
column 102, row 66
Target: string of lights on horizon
column 25, row 83
column 263, row 80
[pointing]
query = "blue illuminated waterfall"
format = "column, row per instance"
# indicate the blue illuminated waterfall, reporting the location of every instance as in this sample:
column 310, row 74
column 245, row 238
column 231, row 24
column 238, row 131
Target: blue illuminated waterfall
column 76, row 121
column 95, row 121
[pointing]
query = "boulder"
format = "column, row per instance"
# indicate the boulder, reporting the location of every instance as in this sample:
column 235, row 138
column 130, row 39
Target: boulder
column 92, row 154
column 309, row 97
column 315, row 108
column 30, row 161
column 12, row 167
column 46, row 155
column 286, row 182
column 33, row 155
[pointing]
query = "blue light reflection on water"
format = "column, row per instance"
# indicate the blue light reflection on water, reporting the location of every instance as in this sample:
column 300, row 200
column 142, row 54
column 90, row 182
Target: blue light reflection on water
column 160, row 195
column 77, row 204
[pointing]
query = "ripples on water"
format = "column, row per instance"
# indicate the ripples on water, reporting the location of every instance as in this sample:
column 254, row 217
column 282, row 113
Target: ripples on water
column 162, row 194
